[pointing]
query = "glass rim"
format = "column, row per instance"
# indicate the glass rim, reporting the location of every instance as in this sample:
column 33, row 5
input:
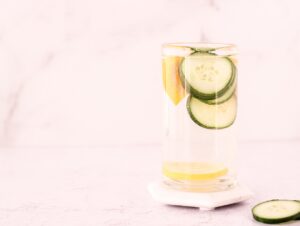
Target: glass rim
column 186, row 48
column 209, row 45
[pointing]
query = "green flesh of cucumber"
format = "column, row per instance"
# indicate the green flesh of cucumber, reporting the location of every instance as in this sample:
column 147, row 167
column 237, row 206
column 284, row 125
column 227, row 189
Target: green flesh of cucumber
column 207, row 76
column 276, row 211
column 226, row 95
column 209, row 116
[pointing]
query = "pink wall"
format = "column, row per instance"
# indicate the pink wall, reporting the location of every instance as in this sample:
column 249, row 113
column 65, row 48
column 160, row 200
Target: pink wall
column 89, row 74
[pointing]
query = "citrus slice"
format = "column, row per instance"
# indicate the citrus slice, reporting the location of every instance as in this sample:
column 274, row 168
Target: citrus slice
column 193, row 170
column 171, row 78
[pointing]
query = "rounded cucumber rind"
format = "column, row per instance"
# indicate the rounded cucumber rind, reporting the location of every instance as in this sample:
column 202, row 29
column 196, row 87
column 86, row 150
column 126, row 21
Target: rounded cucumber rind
column 227, row 95
column 298, row 217
column 202, row 95
column 272, row 221
column 201, row 120
column 204, row 50
column 258, row 213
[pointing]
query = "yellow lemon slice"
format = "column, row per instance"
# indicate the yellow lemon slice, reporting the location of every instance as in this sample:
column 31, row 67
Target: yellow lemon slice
column 193, row 170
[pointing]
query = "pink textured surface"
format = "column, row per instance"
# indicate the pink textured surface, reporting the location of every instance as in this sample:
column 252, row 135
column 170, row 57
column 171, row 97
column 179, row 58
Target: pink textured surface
column 107, row 186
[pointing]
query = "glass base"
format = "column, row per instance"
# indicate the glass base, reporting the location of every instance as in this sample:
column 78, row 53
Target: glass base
column 220, row 184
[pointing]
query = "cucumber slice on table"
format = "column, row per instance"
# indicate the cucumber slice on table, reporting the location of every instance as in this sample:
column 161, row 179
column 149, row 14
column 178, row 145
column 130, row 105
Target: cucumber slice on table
column 298, row 217
column 209, row 116
column 207, row 76
column 276, row 211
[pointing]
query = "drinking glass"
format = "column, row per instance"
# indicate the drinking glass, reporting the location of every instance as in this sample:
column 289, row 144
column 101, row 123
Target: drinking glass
column 200, row 87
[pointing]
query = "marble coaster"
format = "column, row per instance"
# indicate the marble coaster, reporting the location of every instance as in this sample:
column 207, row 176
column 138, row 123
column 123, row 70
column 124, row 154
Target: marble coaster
column 205, row 201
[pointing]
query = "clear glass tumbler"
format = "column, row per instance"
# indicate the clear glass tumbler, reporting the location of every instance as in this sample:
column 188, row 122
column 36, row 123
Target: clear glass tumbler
column 200, row 86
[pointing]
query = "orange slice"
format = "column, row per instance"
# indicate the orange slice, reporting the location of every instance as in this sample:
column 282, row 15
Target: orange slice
column 171, row 78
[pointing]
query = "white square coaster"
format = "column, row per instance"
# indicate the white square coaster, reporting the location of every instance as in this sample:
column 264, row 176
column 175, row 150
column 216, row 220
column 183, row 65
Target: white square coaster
column 202, row 200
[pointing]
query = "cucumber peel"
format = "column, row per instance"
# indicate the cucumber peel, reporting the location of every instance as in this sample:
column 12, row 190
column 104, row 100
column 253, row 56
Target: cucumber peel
column 276, row 211
column 207, row 76
column 209, row 116
column 227, row 95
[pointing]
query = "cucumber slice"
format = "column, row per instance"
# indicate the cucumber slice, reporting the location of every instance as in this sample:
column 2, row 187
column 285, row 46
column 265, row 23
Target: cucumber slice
column 276, row 211
column 298, row 217
column 209, row 116
column 207, row 76
column 226, row 95
column 209, row 50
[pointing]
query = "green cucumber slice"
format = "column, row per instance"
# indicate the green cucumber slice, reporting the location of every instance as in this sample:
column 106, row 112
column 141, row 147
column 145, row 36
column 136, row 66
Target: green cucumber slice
column 209, row 50
column 209, row 116
column 276, row 211
column 207, row 76
column 226, row 95
column 298, row 217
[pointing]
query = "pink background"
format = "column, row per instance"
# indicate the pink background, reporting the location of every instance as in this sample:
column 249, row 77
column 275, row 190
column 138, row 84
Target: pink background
column 88, row 73
column 81, row 106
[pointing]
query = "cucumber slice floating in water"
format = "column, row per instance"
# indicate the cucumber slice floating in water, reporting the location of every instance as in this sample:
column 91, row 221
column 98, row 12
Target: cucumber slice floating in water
column 226, row 95
column 207, row 76
column 209, row 116
column 276, row 211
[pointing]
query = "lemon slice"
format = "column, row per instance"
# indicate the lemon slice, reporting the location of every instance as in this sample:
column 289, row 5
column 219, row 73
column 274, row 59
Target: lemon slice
column 193, row 170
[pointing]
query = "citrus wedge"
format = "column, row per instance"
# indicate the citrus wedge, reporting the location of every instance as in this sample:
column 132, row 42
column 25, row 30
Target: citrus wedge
column 171, row 78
